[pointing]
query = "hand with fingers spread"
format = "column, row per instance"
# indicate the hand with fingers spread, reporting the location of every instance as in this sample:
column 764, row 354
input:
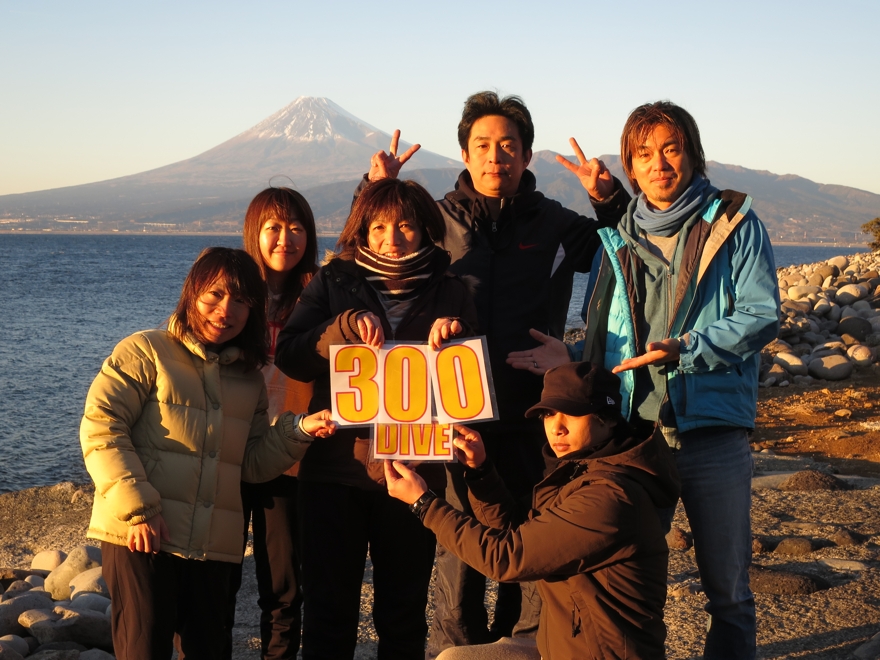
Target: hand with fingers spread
column 594, row 176
column 402, row 483
column 370, row 329
column 551, row 353
column 658, row 352
column 387, row 166
column 469, row 447
column 319, row 425
column 148, row 535
column 443, row 329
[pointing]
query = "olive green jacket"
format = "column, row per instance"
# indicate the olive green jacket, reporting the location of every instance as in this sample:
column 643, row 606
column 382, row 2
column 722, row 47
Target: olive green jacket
column 172, row 428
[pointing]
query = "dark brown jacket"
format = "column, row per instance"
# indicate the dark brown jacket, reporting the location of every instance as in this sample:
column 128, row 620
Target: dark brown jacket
column 325, row 315
column 593, row 540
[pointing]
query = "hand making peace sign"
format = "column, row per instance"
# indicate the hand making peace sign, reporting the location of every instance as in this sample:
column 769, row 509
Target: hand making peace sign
column 387, row 166
column 593, row 174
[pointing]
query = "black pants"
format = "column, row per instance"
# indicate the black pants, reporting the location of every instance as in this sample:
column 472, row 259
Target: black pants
column 155, row 596
column 273, row 507
column 460, row 616
column 339, row 525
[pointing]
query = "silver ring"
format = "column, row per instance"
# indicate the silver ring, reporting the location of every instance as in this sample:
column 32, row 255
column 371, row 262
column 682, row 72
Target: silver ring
column 536, row 364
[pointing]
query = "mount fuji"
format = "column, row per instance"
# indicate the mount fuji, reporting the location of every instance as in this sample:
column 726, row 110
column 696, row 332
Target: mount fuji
column 311, row 142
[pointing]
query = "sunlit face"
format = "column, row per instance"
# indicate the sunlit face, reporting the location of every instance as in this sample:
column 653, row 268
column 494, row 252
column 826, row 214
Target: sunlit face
column 223, row 314
column 394, row 238
column 495, row 157
column 569, row 433
column 282, row 244
column 662, row 168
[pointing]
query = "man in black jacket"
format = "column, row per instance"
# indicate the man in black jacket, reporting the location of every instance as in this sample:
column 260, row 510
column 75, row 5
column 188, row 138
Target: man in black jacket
column 519, row 251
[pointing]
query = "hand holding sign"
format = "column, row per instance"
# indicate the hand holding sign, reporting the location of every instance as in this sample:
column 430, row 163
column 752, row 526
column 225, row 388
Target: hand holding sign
column 412, row 394
column 403, row 483
column 469, row 447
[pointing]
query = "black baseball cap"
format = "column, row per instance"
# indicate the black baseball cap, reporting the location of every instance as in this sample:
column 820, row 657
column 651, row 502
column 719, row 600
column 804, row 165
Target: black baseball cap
column 578, row 389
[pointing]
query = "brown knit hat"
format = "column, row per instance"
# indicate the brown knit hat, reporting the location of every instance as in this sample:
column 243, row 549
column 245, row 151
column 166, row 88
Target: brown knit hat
column 578, row 389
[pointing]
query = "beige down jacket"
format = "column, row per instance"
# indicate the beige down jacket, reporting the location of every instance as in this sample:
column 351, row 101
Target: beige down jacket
column 173, row 428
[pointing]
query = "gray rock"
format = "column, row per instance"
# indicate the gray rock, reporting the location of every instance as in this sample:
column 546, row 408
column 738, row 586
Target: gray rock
column 16, row 643
column 90, row 581
column 48, row 560
column 9, row 653
column 814, row 337
column 845, row 564
column 60, row 646
column 831, row 367
column 835, row 312
column 849, row 293
column 822, row 307
column 794, row 545
column 36, row 581
column 16, row 588
column 861, row 356
column 89, row 601
column 855, row 326
column 96, row 654
column 844, row 537
column 13, row 608
column 870, row 650
column 56, row 654
column 798, row 292
column 80, row 559
column 784, row 583
column 87, row 628
column 840, row 263
column 804, row 380
column 30, row 617
column 796, row 307
column 791, row 363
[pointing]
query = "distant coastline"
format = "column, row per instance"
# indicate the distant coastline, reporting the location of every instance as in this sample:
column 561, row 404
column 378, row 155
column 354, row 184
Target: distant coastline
column 64, row 232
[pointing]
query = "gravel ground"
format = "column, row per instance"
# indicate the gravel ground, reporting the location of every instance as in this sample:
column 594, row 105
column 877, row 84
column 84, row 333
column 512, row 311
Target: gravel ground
column 830, row 623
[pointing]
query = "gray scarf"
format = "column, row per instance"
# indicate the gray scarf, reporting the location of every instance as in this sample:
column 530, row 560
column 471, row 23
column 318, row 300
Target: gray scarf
column 669, row 221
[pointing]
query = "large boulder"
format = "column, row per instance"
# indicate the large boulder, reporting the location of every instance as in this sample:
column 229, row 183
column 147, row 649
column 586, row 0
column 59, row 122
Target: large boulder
column 15, row 643
column 93, row 602
column 80, row 559
column 48, row 560
column 831, row 367
column 87, row 628
column 850, row 293
column 90, row 581
column 13, row 608
column 798, row 292
column 854, row 326
column 860, row 355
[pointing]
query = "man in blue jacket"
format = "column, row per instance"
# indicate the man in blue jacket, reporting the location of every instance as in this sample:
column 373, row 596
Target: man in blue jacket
column 680, row 302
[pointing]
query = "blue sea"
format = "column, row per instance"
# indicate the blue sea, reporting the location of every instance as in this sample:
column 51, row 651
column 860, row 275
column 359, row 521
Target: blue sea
column 68, row 299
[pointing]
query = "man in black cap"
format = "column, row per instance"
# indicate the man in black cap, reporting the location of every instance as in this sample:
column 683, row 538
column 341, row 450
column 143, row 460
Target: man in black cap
column 593, row 538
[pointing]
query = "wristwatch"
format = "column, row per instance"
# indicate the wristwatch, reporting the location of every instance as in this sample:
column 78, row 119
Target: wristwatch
column 427, row 497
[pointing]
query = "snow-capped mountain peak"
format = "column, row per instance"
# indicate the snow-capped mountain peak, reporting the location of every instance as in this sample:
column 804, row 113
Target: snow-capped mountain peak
column 309, row 119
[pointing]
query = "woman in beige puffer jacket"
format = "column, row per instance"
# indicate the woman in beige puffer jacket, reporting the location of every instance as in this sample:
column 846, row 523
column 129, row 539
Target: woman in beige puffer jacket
column 173, row 422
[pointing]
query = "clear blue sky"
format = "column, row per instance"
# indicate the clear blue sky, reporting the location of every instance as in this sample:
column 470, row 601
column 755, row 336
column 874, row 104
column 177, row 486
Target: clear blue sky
column 95, row 90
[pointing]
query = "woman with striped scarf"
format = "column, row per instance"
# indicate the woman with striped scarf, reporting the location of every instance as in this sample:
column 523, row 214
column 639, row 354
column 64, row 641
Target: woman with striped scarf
column 387, row 281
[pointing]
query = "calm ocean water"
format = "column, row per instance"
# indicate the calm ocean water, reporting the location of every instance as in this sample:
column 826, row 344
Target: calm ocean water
column 67, row 300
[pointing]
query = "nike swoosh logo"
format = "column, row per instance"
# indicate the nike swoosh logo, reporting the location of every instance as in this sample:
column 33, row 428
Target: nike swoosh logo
column 523, row 246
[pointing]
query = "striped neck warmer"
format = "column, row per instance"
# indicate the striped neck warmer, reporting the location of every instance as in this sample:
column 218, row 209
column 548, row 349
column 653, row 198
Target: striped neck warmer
column 399, row 279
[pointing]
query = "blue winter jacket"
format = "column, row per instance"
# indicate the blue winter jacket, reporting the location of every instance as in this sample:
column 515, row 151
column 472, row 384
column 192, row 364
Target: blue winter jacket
column 726, row 302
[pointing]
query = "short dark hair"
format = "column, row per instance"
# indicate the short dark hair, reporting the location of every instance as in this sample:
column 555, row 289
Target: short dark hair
column 641, row 123
column 285, row 204
column 485, row 104
column 394, row 199
column 242, row 277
